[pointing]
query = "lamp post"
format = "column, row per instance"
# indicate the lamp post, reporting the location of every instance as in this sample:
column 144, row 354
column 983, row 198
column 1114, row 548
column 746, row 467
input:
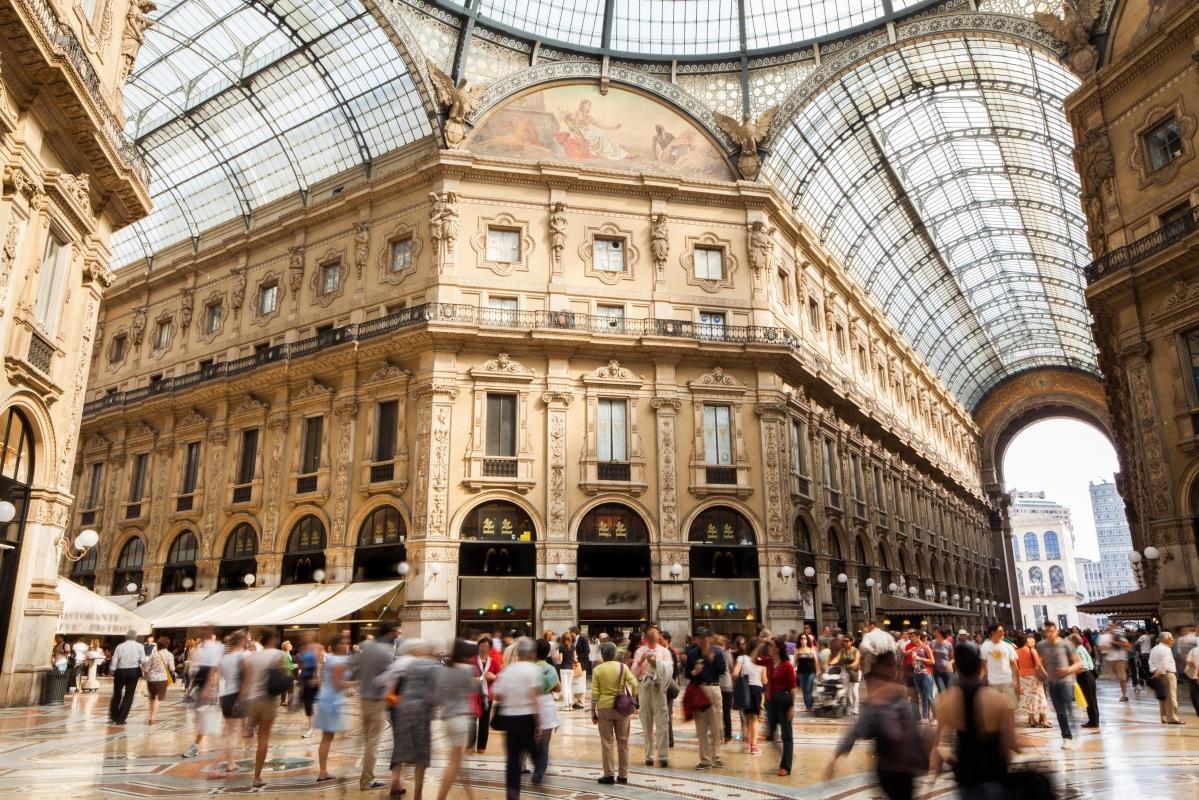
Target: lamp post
column 73, row 551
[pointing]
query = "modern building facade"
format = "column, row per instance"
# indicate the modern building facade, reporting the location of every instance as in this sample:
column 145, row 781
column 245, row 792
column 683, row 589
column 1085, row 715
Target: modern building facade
column 1115, row 539
column 70, row 178
column 1134, row 122
column 1046, row 570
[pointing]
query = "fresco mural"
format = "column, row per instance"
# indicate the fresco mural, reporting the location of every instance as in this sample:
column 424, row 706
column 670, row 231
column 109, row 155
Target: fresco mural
column 1139, row 19
column 619, row 130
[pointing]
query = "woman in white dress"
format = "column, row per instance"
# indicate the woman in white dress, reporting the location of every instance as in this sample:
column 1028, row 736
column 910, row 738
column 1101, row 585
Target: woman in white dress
column 330, row 701
column 95, row 657
column 594, row 133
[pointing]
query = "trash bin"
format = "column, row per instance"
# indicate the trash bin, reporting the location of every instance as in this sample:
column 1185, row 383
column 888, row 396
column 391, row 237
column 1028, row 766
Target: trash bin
column 54, row 687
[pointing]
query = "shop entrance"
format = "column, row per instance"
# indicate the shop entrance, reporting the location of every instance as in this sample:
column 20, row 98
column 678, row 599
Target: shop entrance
column 497, row 571
column 614, row 570
column 724, row 573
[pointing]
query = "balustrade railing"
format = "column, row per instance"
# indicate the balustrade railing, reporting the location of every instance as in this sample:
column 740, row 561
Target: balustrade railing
column 1141, row 249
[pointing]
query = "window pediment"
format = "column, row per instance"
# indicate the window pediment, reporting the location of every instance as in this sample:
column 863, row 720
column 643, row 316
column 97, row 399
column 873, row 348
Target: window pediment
column 613, row 374
column 717, row 382
column 502, row 370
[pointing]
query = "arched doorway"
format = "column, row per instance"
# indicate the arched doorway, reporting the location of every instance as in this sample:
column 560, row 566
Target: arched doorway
column 179, row 574
column 614, row 569
column 239, row 558
column 127, row 577
column 805, row 562
column 380, row 548
column 724, row 572
column 16, row 480
column 497, row 569
column 305, row 552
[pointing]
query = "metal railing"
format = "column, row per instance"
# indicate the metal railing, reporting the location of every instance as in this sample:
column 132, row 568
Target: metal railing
column 184, row 503
column 720, row 475
column 499, row 467
column 613, row 471
column 1148, row 245
column 306, row 484
column 40, row 353
column 64, row 41
column 242, row 494
column 383, row 473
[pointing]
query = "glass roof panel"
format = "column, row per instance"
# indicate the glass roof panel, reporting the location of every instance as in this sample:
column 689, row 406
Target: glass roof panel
column 941, row 175
column 236, row 104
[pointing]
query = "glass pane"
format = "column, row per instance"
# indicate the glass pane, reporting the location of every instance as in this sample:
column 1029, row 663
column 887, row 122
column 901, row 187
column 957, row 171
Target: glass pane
column 608, row 255
column 503, row 246
column 603, row 430
column 401, row 254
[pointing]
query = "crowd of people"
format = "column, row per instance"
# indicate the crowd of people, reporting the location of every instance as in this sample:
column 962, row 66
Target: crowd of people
column 917, row 694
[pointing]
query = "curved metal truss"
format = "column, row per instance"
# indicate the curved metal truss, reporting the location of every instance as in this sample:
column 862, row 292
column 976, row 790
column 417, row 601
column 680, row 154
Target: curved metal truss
column 940, row 173
column 236, row 103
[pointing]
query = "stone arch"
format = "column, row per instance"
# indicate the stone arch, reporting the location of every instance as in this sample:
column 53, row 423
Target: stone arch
column 618, row 499
column 832, row 533
column 41, row 429
column 508, row 497
column 809, row 521
column 163, row 546
column 370, row 507
column 217, row 548
column 289, row 522
column 729, row 502
column 124, row 539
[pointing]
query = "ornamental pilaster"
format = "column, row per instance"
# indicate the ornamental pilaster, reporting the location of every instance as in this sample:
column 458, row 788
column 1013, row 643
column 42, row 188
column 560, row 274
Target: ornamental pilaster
column 1145, row 416
column 433, row 426
column 345, row 410
column 556, row 403
column 277, row 425
column 666, row 410
column 770, row 421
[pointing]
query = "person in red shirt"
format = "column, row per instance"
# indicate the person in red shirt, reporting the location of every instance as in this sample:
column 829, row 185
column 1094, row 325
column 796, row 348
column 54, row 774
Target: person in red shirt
column 780, row 697
column 486, row 667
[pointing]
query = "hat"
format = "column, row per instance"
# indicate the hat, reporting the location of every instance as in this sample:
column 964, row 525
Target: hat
column 702, row 631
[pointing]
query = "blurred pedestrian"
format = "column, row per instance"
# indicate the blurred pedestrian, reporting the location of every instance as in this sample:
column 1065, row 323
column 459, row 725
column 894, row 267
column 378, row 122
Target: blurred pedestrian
column 460, row 698
column 330, row 701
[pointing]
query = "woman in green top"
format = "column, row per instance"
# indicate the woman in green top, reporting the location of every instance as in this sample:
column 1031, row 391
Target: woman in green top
column 1086, row 681
column 607, row 681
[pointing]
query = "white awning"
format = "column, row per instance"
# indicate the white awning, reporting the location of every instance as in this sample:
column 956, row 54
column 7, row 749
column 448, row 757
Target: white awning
column 275, row 607
column 212, row 610
column 166, row 606
column 125, row 601
column 85, row 612
column 349, row 599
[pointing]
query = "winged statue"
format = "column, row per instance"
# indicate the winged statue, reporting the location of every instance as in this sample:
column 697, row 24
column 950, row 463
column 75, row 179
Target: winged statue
column 1074, row 29
column 748, row 133
column 459, row 101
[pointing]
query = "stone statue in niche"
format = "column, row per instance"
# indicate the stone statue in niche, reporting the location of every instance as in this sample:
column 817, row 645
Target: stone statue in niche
column 137, row 328
column 558, row 230
column 295, row 269
column 443, row 222
column 1074, row 29
column 659, row 240
column 459, row 101
column 748, row 134
column 362, row 241
column 238, row 294
column 132, row 38
column 761, row 245
column 187, row 303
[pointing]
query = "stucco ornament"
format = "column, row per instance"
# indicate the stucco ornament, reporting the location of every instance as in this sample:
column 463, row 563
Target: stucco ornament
column 443, row 223
column 187, row 304
column 137, row 328
column 136, row 21
column 659, row 240
column 748, row 134
column 295, row 269
column 1097, row 165
column 237, row 297
column 761, row 245
column 1074, row 29
column 557, row 231
column 362, row 242
column 458, row 101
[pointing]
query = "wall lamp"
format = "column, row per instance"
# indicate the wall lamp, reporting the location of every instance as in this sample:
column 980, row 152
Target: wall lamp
column 85, row 541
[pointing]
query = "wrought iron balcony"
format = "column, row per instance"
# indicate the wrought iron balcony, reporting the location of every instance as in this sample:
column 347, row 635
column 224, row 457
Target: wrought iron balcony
column 306, row 484
column 242, row 494
column 499, row 467
column 184, row 502
column 613, row 471
column 721, row 475
column 1123, row 257
column 40, row 353
column 383, row 473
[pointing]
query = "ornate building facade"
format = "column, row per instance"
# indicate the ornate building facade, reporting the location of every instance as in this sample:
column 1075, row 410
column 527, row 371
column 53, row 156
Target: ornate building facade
column 1046, row 569
column 70, row 178
column 1135, row 125
column 578, row 396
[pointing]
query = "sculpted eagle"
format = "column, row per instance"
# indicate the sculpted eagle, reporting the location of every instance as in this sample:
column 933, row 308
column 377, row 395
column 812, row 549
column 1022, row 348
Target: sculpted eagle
column 1074, row 29
column 459, row 101
column 748, row 134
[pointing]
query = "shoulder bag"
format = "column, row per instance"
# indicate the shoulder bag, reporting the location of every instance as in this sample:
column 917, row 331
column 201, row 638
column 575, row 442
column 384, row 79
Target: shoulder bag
column 278, row 679
column 625, row 702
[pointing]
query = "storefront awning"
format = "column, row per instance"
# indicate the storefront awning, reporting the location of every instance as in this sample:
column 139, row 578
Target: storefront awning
column 211, row 610
column 125, row 601
column 278, row 605
column 1137, row 603
column 167, row 605
column 894, row 604
column 85, row 612
column 349, row 599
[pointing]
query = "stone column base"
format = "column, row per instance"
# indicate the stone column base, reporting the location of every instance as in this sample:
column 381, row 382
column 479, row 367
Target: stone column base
column 431, row 620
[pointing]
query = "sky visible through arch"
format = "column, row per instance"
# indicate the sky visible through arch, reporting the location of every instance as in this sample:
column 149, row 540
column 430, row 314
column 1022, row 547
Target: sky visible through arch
column 1062, row 456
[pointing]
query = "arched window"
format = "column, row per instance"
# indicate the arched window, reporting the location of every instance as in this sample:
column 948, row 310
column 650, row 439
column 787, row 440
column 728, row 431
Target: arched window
column 613, row 523
column 803, row 536
column 380, row 545
column 1057, row 580
column 179, row 574
column 128, row 571
column 1036, row 581
column 17, row 455
column 904, row 567
column 1032, row 549
column 305, row 554
column 238, row 559
column 1016, row 549
column 721, row 525
column 834, row 546
column 83, row 571
column 498, row 521
column 1053, row 550
column 1020, row 580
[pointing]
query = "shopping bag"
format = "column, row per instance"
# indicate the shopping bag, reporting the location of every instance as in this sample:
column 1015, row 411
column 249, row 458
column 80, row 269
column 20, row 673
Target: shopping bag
column 211, row 720
column 1079, row 697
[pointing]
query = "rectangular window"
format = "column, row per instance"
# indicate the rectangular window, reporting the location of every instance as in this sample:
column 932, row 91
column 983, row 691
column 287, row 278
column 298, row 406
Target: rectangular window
column 855, row 475
column 610, row 430
column 56, row 262
column 503, row 246
column 611, row 319
column 799, row 448
column 191, row 468
column 310, row 456
column 1163, row 144
column 718, row 435
column 137, row 486
column 116, row 353
column 212, row 317
column 1192, row 346
column 840, row 338
column 832, row 478
column 814, row 316
column 268, row 298
column 387, row 424
column 401, row 255
column 709, row 263
column 330, row 277
column 711, row 325
column 880, row 489
column 501, row 425
column 162, row 334
column 608, row 255
column 249, row 455
column 93, row 486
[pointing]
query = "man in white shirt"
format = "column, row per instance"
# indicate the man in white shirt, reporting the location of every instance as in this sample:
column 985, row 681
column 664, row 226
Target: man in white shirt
column 1163, row 670
column 1142, row 646
column 1001, row 667
column 875, row 642
column 126, row 667
column 1114, row 647
column 1188, row 643
column 652, row 666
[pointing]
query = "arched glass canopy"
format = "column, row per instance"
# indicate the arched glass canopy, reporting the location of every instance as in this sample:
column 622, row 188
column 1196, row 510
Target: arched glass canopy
column 940, row 174
column 236, row 103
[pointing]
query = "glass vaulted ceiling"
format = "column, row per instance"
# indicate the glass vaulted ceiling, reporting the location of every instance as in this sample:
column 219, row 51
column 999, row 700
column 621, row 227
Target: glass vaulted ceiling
column 236, row 103
column 941, row 175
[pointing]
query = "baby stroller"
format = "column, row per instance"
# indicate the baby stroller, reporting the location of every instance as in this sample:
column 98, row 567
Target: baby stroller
column 832, row 693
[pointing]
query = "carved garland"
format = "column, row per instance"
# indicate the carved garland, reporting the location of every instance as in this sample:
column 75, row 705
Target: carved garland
column 504, row 221
column 709, row 240
column 405, row 230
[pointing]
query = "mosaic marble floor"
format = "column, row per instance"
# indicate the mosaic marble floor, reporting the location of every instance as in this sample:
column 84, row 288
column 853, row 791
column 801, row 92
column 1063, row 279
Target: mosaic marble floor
column 70, row 751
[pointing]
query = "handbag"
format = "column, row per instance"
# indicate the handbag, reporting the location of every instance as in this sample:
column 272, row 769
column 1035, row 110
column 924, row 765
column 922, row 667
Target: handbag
column 1159, row 688
column 741, row 698
column 166, row 669
column 278, row 680
column 625, row 702
column 498, row 722
column 1079, row 698
column 211, row 720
